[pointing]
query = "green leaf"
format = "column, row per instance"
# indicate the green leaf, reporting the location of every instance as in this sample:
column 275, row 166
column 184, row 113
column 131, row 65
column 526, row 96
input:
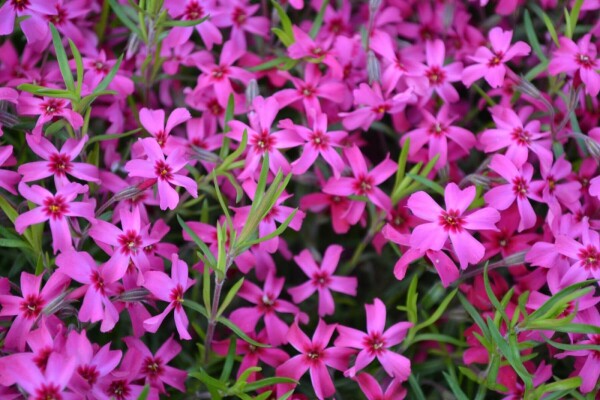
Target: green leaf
column 61, row 57
column 111, row 136
column 239, row 332
column 564, row 384
column 417, row 392
column 436, row 337
column 436, row 187
column 438, row 312
column 573, row 17
column 15, row 243
column 229, row 360
column 274, row 63
column 571, row 347
column 510, row 352
column 185, row 23
column 205, row 250
column 120, row 13
column 206, row 288
column 455, row 387
column 492, row 296
column 475, row 316
column 283, row 37
column 230, row 296
column 318, row 22
column 208, row 380
column 560, row 300
column 556, row 326
column 262, row 383
column 192, row 305
column 286, row 23
column 8, row 209
column 533, row 40
column 109, row 77
column 277, row 232
column 79, row 66
column 229, row 114
column 144, row 394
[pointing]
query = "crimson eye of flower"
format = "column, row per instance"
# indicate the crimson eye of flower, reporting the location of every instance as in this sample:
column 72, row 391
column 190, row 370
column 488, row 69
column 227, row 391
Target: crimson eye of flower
column 521, row 136
column 336, row 25
column 215, row 107
column 319, row 139
column 163, row 171
column 381, row 109
column 130, row 242
column 193, row 11
column 119, row 389
column 239, row 16
column 307, row 91
column 364, row 185
column 48, row 391
column 52, row 106
column 451, row 220
column 314, row 354
column 60, row 17
column 590, row 257
column 585, row 61
column 264, row 141
column 55, row 207
column 375, row 343
column 321, row 279
column 496, row 59
column 89, row 373
column 318, row 52
column 437, row 129
column 98, row 281
column 436, row 75
column 219, row 72
column 520, row 187
column 31, row 306
column 20, row 5
column 60, row 164
column 176, row 296
column 153, row 367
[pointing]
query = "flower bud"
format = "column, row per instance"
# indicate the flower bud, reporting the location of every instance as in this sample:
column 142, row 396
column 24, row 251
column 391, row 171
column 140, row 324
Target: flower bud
column 133, row 295
column 252, row 92
column 56, row 304
column 198, row 153
column 373, row 68
column 133, row 44
column 374, row 6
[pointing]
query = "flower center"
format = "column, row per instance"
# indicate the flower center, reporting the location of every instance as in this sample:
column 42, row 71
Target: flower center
column 31, row 306
column 375, row 343
column 193, row 11
column 153, row 367
column 89, row 373
column 451, row 221
column 585, row 61
column 130, row 242
column 239, row 16
column 263, row 142
column 496, row 59
column 520, row 187
column 320, row 140
column 161, row 138
column 521, row 136
column 307, row 91
column 60, row 164
column 20, row 5
column 119, row 389
column 590, row 257
column 163, row 171
column 55, row 207
column 98, row 282
column 436, row 75
column 176, row 296
column 381, row 109
column 52, row 106
column 437, row 129
column 321, row 279
column 364, row 185
column 219, row 72
column 48, row 391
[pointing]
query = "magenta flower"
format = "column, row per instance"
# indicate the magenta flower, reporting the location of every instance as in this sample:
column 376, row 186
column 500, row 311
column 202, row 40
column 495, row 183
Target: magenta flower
column 154, row 122
column 33, row 25
column 262, row 140
column 319, row 141
column 8, row 179
column 191, row 10
column 98, row 66
column 57, row 163
column 516, row 137
column 28, row 307
column 436, row 130
column 47, row 109
column 164, row 171
column 586, row 254
column 240, row 16
column 154, row 369
column 552, row 191
column 364, row 182
column 490, row 62
column 305, row 47
column 170, row 290
column 517, row 189
column 451, row 223
column 314, row 357
column 578, row 60
column 439, row 75
column 373, row 391
column 127, row 243
column 376, row 343
column 595, row 187
column 98, row 282
column 268, row 304
column 322, row 279
column 55, row 208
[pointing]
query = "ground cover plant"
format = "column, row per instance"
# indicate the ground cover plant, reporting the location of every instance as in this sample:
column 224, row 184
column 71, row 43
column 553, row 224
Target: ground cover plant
column 299, row 199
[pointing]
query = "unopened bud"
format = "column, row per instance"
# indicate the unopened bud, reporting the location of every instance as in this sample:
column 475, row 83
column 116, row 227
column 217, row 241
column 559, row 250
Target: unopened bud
column 592, row 146
column 373, row 68
column 133, row 44
column 374, row 6
column 526, row 87
column 7, row 119
column 478, row 180
column 56, row 304
column 198, row 153
column 133, row 295
column 514, row 259
column 251, row 92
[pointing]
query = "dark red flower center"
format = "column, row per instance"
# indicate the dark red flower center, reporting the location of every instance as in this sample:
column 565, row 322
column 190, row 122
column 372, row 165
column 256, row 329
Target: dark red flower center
column 31, row 306
column 307, row 91
column 239, row 16
column 130, row 242
column 119, row 389
column 98, row 282
column 267, row 303
column 314, row 354
column 60, row 164
column 319, row 140
column 590, row 257
column 20, row 5
column 219, row 72
column 451, row 220
column 375, row 343
column 436, row 75
column 60, row 17
column 215, row 108
column 496, row 59
column 153, row 367
column 263, row 142
column 521, row 136
column 52, row 106
column 363, row 185
column 321, row 279
column 163, row 171
column 193, row 11
column 381, row 109
column 585, row 61
column 176, row 296
column 41, row 358
column 55, row 207
column 89, row 373
column 520, row 187
column 48, row 391
column 437, row 130
column 161, row 137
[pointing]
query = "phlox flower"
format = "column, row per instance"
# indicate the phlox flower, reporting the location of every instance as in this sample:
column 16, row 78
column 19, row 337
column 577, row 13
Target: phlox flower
column 98, row 283
column 489, row 63
column 190, row 10
column 8, row 179
column 314, row 357
column 373, row 391
column 376, row 343
column 55, row 208
column 517, row 137
column 440, row 76
column 516, row 189
column 261, row 140
column 164, row 171
column 33, row 25
column 57, row 163
column 435, row 131
column 47, row 109
column 319, row 141
column 267, row 305
column 552, row 191
column 240, row 15
column 124, row 245
column 28, row 307
column 171, row 290
column 7, row 94
column 337, row 206
column 578, row 60
column 586, row 253
column 515, row 388
column 154, row 368
column 363, row 183
column 451, row 223
column 305, row 47
column 594, row 187
column 154, row 122
column 98, row 66
column 322, row 279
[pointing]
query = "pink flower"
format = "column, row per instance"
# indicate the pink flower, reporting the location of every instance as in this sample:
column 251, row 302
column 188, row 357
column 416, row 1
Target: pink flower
column 364, row 182
column 436, row 130
column 127, row 243
column 586, row 254
column 490, row 63
column 268, row 304
column 28, row 308
column 98, row 66
column 595, row 187
column 55, row 208
column 553, row 192
column 170, row 290
column 319, row 141
column 47, row 109
column 154, row 369
column 164, row 171
column 57, row 163
column 322, row 279
column 98, row 282
column 451, row 223
column 314, row 357
column 373, row 391
column 261, row 140
column 239, row 15
column 305, row 47
column 154, row 122
column 191, row 10
column 439, row 75
column 33, row 24
column 376, row 343
column 578, row 60
column 517, row 189
column 518, row 138
column 8, row 179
